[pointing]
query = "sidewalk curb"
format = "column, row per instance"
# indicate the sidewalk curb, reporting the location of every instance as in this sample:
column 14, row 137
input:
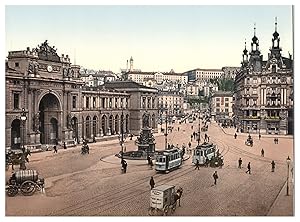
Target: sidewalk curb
column 277, row 200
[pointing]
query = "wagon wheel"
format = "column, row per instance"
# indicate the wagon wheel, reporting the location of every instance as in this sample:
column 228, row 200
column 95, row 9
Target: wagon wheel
column 152, row 211
column 173, row 207
column 12, row 191
column 28, row 188
column 166, row 210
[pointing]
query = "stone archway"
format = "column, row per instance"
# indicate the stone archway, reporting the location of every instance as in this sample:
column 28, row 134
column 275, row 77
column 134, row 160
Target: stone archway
column 111, row 119
column 74, row 124
column 95, row 126
column 50, row 109
column 16, row 134
column 104, row 125
column 153, row 122
column 88, row 127
column 117, row 125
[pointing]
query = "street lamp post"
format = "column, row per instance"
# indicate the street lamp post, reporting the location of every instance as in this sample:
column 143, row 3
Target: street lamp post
column 23, row 119
column 166, row 131
column 288, row 161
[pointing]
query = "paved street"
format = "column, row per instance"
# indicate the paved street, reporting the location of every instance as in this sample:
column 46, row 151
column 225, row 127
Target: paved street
column 93, row 184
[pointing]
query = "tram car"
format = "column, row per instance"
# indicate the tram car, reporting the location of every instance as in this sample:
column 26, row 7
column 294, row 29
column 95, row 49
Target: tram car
column 204, row 151
column 168, row 160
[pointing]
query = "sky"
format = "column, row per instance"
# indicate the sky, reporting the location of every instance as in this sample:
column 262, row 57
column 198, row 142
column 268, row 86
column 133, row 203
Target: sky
column 158, row 37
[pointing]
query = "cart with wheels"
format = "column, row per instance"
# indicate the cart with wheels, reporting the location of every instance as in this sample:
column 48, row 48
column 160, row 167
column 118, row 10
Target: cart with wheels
column 163, row 200
column 24, row 181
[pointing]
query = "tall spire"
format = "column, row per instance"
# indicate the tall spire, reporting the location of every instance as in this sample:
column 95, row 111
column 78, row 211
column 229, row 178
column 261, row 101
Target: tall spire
column 245, row 50
column 276, row 24
column 254, row 29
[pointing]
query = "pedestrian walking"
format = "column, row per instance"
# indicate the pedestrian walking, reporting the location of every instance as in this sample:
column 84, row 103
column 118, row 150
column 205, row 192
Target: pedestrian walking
column 192, row 127
column 248, row 168
column 152, row 183
column 262, row 152
column 65, row 146
column 235, row 136
column 55, row 149
column 148, row 159
column 197, row 165
column 215, row 176
column 240, row 163
column 178, row 128
column 124, row 166
column 190, row 145
column 259, row 136
column 273, row 165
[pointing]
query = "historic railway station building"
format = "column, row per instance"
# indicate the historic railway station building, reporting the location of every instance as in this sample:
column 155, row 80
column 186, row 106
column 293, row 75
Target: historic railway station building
column 57, row 105
column 264, row 91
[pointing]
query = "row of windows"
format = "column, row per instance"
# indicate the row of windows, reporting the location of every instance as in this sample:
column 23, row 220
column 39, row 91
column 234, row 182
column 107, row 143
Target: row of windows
column 149, row 105
column 226, row 105
column 88, row 101
column 218, row 99
column 218, row 110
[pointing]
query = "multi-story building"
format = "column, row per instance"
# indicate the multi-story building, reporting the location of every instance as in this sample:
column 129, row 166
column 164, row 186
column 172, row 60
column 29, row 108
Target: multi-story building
column 159, row 77
column 143, row 100
column 96, row 78
column 264, row 90
column 138, row 76
column 47, row 90
column 204, row 75
column 221, row 105
column 171, row 101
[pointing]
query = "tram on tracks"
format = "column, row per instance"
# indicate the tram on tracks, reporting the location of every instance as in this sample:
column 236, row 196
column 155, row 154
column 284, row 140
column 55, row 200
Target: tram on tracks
column 207, row 154
column 168, row 160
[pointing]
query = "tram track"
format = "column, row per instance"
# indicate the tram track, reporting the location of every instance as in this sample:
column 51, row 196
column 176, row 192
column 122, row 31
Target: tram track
column 127, row 192
column 88, row 205
column 237, row 150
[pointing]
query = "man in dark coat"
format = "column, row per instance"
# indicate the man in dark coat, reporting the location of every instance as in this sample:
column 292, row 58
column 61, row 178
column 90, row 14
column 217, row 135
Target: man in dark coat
column 262, row 152
column 55, row 149
column 215, row 176
column 273, row 165
column 197, row 165
column 248, row 168
column 240, row 163
column 152, row 183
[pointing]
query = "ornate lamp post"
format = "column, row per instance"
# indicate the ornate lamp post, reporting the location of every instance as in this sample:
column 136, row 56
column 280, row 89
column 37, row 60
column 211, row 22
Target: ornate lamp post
column 288, row 161
column 23, row 119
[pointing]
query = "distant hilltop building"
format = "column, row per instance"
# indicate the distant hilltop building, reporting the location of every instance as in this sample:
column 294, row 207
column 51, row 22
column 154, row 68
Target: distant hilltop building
column 144, row 78
column 204, row 75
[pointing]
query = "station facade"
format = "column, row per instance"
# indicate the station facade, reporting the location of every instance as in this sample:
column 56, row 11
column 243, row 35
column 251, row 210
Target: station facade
column 49, row 91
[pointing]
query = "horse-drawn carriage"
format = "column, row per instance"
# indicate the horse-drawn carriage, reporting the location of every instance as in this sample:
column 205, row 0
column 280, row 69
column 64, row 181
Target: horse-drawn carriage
column 249, row 142
column 17, row 157
column 85, row 149
column 25, row 181
column 163, row 200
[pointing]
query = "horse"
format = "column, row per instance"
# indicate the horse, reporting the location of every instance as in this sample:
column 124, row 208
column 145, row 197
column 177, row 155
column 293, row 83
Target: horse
column 17, row 159
column 178, row 195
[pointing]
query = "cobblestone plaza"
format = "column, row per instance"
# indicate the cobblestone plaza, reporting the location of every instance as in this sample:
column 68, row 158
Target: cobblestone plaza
column 94, row 184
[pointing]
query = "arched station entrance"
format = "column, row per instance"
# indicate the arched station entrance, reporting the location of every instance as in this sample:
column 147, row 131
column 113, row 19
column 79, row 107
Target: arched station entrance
column 50, row 116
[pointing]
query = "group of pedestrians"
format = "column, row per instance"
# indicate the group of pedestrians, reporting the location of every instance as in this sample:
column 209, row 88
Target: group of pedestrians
column 240, row 161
